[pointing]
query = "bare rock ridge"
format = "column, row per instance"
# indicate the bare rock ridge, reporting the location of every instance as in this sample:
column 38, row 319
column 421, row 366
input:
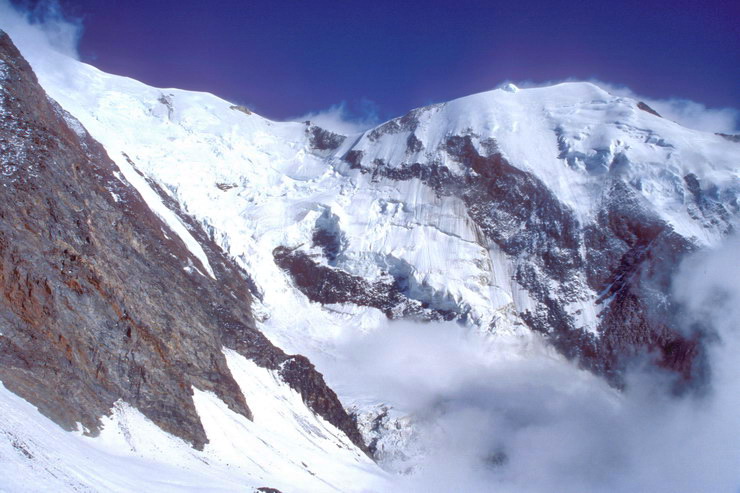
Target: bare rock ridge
column 328, row 285
column 645, row 107
column 96, row 303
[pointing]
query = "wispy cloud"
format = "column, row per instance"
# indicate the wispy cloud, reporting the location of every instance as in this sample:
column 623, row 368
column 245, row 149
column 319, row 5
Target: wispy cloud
column 688, row 113
column 691, row 114
column 41, row 29
column 341, row 119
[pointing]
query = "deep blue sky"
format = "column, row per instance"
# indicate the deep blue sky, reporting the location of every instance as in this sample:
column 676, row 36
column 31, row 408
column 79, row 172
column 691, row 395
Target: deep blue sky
column 286, row 58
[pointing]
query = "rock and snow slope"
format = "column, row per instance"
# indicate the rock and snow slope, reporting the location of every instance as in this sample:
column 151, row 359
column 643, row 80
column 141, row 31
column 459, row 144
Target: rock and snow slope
column 112, row 319
column 285, row 445
column 557, row 209
column 560, row 210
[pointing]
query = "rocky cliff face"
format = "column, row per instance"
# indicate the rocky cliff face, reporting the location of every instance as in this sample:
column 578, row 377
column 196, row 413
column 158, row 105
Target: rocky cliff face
column 100, row 300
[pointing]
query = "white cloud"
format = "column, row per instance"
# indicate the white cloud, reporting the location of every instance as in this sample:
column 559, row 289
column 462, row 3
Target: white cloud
column 41, row 31
column 338, row 118
column 688, row 113
column 560, row 428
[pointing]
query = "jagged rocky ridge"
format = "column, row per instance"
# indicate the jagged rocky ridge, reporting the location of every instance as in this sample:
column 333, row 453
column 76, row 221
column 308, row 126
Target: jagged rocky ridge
column 327, row 285
column 101, row 300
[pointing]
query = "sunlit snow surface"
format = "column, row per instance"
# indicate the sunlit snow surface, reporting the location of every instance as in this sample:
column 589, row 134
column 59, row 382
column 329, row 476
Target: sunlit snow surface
column 285, row 445
column 257, row 184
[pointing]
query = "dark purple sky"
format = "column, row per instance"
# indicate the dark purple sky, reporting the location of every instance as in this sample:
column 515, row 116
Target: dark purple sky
column 286, row 58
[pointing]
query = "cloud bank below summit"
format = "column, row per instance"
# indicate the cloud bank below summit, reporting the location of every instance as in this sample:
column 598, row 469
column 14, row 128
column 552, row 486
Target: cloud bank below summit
column 492, row 419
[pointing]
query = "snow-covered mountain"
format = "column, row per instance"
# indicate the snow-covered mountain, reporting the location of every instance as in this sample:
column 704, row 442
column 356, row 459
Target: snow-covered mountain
column 128, row 322
column 536, row 218
column 553, row 209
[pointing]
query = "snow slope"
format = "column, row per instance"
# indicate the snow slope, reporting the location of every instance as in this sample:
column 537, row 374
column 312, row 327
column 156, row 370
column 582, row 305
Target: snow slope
column 285, row 445
column 568, row 135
